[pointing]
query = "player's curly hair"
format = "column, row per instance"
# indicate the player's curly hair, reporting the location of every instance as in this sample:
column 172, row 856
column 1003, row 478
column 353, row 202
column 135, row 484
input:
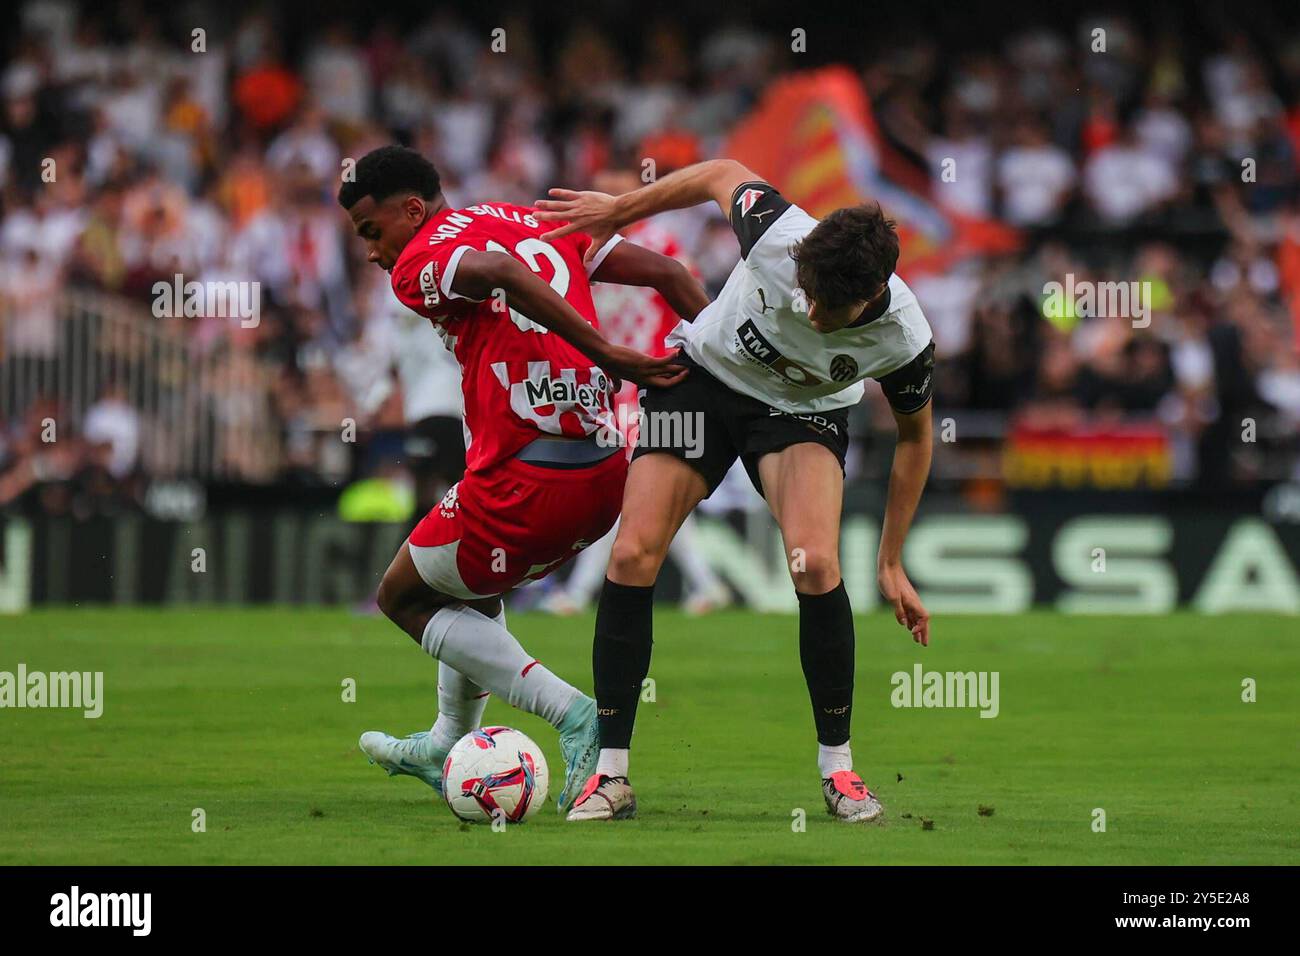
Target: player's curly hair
column 847, row 256
column 390, row 170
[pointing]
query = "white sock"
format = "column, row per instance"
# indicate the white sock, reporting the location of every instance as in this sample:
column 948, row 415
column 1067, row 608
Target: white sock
column 834, row 759
column 460, row 707
column 460, row 702
column 612, row 763
column 485, row 652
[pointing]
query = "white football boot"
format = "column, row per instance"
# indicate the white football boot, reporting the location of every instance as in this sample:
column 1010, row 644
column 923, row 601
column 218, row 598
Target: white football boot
column 848, row 799
column 604, row 798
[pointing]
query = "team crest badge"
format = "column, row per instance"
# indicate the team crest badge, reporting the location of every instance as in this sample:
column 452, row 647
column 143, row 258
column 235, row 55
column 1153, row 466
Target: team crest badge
column 843, row 368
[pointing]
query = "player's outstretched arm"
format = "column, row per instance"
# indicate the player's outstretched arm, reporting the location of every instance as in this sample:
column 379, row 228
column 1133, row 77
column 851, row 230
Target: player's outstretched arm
column 906, row 481
column 480, row 274
column 630, row 264
column 600, row 215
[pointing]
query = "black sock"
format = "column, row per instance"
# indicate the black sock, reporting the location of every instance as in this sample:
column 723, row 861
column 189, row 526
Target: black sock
column 620, row 658
column 826, row 652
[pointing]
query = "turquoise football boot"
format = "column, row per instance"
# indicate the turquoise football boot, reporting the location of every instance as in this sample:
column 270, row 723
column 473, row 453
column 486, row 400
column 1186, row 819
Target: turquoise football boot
column 413, row 755
column 580, row 746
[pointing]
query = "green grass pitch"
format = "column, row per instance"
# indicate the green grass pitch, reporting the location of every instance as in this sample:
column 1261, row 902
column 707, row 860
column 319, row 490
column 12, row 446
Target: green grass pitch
column 240, row 713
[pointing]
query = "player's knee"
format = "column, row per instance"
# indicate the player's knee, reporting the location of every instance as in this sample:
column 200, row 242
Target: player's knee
column 391, row 600
column 411, row 612
column 488, row 607
column 814, row 571
column 633, row 561
column 398, row 602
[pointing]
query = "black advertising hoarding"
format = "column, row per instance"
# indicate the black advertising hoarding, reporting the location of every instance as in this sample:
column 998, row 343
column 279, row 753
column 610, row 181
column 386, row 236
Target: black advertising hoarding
column 1079, row 559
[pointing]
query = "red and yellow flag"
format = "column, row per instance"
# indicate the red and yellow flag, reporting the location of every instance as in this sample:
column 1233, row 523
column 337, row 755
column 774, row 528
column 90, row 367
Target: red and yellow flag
column 814, row 137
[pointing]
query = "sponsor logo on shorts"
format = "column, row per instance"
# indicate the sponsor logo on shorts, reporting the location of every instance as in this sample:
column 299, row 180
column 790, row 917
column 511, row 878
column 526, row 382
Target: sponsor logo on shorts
column 819, row 423
column 759, row 351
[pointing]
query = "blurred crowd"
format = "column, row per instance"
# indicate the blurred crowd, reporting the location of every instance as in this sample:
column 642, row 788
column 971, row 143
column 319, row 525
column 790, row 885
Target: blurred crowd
column 209, row 142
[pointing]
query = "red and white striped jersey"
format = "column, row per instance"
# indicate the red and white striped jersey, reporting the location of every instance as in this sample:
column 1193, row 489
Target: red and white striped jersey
column 519, row 380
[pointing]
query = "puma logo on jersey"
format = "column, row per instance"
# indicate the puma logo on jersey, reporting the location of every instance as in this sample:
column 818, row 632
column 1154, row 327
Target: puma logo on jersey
column 758, row 216
column 763, row 298
column 747, row 200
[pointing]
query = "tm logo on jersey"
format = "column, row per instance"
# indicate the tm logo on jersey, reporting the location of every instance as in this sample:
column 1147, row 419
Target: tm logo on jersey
column 757, row 349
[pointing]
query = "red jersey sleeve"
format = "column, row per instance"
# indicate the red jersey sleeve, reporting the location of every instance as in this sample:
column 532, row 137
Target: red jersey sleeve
column 422, row 281
column 584, row 243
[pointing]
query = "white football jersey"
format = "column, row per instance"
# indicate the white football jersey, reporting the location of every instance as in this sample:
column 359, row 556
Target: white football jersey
column 755, row 336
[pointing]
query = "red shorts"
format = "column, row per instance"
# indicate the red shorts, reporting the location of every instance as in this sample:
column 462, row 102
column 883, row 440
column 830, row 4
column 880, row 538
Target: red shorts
column 515, row 522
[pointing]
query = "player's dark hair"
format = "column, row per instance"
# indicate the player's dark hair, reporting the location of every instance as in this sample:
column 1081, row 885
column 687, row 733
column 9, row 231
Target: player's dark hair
column 388, row 171
column 847, row 257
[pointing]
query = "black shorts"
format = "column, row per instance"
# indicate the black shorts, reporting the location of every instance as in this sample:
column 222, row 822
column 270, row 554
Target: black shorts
column 708, row 426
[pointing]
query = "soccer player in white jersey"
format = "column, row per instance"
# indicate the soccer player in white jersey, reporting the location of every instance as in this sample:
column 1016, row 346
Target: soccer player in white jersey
column 812, row 309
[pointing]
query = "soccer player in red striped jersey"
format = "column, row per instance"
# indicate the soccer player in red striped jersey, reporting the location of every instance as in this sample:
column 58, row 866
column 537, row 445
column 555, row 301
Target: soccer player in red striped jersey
column 538, row 380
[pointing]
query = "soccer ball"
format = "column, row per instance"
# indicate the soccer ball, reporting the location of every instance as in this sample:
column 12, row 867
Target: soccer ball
column 495, row 772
